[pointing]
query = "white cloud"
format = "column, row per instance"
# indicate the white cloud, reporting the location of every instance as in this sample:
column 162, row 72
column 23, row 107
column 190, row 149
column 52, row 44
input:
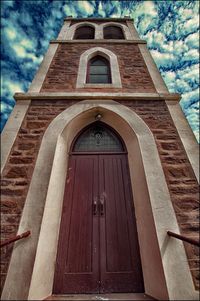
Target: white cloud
column 10, row 32
column 19, row 50
column 193, row 40
column 145, row 8
column 101, row 11
column 9, row 87
column 192, row 24
column 69, row 10
column 86, row 7
column 162, row 59
column 190, row 73
column 192, row 54
column 26, row 43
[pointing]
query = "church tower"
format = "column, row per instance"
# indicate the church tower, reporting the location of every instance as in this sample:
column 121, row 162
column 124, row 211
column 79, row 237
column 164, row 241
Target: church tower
column 99, row 170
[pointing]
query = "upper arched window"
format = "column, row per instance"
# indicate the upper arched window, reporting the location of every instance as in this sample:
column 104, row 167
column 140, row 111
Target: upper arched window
column 98, row 71
column 84, row 33
column 113, row 32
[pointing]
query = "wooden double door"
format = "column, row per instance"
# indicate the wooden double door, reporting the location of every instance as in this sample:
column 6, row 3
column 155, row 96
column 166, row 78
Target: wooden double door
column 98, row 246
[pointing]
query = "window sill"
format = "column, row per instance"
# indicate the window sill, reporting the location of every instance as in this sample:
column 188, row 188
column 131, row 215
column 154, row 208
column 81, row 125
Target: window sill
column 100, row 86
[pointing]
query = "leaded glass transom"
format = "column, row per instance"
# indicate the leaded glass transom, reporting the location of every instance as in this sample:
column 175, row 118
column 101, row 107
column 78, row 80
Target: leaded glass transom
column 98, row 138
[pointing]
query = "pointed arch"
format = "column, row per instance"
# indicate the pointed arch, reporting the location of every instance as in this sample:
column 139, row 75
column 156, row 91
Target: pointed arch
column 114, row 67
column 98, row 71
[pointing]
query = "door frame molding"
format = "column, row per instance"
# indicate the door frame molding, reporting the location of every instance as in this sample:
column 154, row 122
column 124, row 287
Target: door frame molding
column 165, row 267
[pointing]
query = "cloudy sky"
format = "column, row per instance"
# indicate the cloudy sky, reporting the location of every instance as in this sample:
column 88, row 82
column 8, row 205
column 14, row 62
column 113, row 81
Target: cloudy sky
column 171, row 29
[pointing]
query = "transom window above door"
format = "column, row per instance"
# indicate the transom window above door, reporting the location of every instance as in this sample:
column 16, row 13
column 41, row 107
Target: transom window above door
column 98, row 137
column 98, row 71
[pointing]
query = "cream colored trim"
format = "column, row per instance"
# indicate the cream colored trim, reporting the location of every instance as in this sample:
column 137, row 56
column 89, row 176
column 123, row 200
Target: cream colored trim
column 163, row 259
column 114, row 67
column 125, row 29
column 187, row 136
column 173, row 97
column 11, row 129
column 72, row 29
column 96, row 42
column 64, row 30
column 153, row 70
column 133, row 31
column 39, row 78
column 98, row 29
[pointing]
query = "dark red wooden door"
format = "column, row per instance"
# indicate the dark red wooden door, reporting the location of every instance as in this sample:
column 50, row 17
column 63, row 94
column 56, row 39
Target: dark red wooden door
column 98, row 246
column 77, row 267
column 120, row 266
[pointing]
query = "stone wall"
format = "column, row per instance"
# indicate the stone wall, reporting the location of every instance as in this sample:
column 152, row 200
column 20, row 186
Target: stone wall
column 62, row 74
column 18, row 171
column 180, row 178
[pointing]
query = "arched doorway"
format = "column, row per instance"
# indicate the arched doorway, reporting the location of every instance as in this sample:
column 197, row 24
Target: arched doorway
column 98, row 248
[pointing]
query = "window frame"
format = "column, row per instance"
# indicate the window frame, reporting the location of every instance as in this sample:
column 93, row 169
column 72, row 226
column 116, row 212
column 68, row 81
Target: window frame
column 83, row 26
column 116, row 38
column 109, row 76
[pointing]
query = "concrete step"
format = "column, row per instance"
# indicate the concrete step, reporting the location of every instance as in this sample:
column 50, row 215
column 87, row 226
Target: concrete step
column 102, row 297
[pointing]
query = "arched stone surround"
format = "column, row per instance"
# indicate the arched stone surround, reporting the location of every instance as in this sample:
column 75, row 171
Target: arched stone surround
column 164, row 263
column 98, row 29
column 114, row 68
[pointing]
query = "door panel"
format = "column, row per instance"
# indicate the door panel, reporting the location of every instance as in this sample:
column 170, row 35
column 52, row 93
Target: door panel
column 119, row 253
column 77, row 261
column 98, row 247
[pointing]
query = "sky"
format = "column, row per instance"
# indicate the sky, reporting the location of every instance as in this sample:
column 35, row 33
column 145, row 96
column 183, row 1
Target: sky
column 171, row 29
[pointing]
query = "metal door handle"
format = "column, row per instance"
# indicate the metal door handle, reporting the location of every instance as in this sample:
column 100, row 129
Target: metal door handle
column 102, row 209
column 95, row 208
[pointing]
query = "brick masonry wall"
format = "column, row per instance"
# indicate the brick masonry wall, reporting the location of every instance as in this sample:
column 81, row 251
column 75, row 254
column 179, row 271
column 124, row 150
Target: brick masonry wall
column 18, row 171
column 181, row 180
column 62, row 74
column 179, row 175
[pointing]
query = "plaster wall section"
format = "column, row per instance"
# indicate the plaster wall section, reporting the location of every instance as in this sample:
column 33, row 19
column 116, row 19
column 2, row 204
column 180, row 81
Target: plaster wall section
column 11, row 129
column 153, row 70
column 43, row 69
column 187, row 136
column 64, row 30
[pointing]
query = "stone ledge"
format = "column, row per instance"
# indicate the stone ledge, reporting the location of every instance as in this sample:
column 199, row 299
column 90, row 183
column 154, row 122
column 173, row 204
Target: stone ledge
column 172, row 97
column 98, row 19
column 98, row 41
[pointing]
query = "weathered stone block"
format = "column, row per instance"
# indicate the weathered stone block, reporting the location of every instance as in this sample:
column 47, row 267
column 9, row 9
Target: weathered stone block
column 17, row 172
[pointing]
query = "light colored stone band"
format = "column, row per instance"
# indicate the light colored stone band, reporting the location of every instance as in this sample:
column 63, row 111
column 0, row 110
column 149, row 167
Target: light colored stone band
column 187, row 137
column 100, row 41
column 114, row 67
column 42, row 71
column 153, row 70
column 11, row 129
column 172, row 97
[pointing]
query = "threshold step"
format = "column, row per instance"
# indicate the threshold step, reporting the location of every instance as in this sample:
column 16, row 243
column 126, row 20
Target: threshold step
column 102, row 297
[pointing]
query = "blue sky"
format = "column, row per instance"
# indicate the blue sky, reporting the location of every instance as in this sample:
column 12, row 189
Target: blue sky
column 171, row 29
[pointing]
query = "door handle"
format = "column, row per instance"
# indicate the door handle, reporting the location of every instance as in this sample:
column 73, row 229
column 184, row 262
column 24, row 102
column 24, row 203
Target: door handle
column 95, row 208
column 102, row 209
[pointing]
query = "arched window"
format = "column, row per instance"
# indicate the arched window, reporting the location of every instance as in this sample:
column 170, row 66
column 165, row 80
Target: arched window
column 84, row 33
column 98, row 71
column 113, row 32
column 98, row 137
